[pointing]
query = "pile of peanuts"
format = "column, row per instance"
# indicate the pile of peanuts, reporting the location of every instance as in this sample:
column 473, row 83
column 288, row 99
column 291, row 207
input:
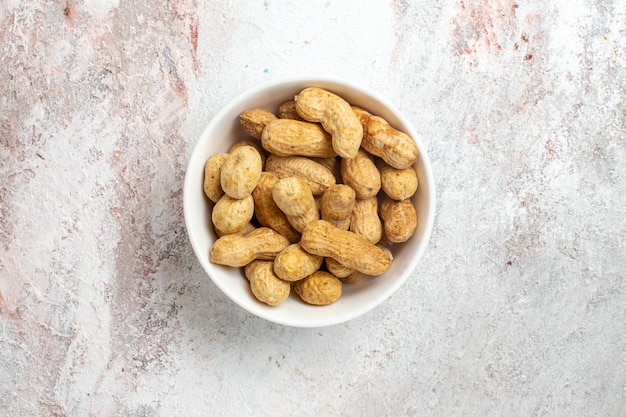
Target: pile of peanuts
column 313, row 199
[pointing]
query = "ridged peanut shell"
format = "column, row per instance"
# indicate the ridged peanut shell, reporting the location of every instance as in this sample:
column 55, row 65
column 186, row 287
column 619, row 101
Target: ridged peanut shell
column 241, row 171
column 267, row 212
column 352, row 250
column 254, row 120
column 265, row 285
column 239, row 250
column 320, row 288
column 336, row 116
column 361, row 174
column 294, row 263
column 284, row 137
column 381, row 139
column 317, row 176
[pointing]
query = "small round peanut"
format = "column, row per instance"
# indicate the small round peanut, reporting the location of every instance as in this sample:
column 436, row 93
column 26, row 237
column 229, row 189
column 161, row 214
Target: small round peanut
column 398, row 184
column 254, row 120
column 399, row 219
column 265, row 285
column 352, row 250
column 317, row 176
column 336, row 116
column 293, row 196
column 267, row 212
column 212, row 186
column 320, row 288
column 381, row 139
column 337, row 204
column 284, row 137
column 361, row 174
column 230, row 215
column 241, row 171
column 294, row 263
column 365, row 221
column 239, row 250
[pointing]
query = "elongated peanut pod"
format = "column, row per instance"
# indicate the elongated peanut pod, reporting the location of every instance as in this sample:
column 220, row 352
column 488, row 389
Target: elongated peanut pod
column 284, row 137
column 336, row 116
column 293, row 196
column 381, row 139
column 352, row 250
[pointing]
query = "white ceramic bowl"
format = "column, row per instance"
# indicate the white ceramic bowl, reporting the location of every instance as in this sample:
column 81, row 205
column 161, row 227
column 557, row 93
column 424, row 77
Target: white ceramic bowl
column 358, row 298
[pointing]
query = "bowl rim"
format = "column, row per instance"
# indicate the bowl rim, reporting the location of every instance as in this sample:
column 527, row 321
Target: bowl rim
column 360, row 89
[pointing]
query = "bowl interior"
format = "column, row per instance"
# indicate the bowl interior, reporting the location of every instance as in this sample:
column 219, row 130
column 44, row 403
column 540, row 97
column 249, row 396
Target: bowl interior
column 358, row 298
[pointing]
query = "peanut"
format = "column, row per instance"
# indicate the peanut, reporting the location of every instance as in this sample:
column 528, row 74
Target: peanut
column 265, row 285
column 294, row 263
column 365, row 221
column 287, row 110
column 255, row 144
column 361, row 174
column 246, row 229
column 350, row 249
column 333, row 165
column 336, row 116
column 254, row 120
column 317, row 176
column 267, row 212
column 352, row 278
column 398, row 184
column 211, row 185
column 399, row 219
column 336, row 268
column 293, row 196
column 381, row 139
column 284, row 137
column 237, row 250
column 337, row 204
column 320, row 288
column 231, row 215
column 241, row 171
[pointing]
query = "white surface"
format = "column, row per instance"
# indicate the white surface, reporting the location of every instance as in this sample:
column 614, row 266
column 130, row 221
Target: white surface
column 516, row 308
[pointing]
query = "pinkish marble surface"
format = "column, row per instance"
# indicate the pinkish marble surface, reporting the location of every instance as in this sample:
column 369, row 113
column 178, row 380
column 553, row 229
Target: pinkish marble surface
column 518, row 307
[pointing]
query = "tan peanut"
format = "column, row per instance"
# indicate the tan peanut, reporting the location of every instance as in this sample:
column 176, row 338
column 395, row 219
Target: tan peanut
column 333, row 165
column 399, row 219
column 336, row 268
column 294, row 263
column 336, row 116
column 381, row 139
column 239, row 250
column 250, row 142
column 287, row 110
column 361, row 174
column 265, row 285
column 293, row 196
column 241, row 171
column 254, row 120
column 398, row 184
column 352, row 250
column 352, row 278
column 320, row 288
column 317, row 176
column 365, row 221
column 267, row 212
column 212, row 186
column 246, row 229
column 284, row 137
column 231, row 215
column 337, row 204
